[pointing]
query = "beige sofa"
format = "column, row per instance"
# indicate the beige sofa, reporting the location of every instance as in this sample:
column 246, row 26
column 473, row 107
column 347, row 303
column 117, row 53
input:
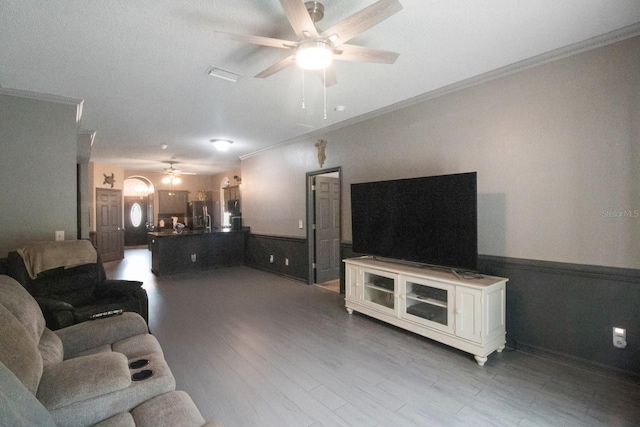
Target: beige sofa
column 85, row 374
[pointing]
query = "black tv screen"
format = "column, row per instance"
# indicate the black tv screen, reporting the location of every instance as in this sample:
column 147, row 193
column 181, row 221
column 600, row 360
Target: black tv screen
column 430, row 220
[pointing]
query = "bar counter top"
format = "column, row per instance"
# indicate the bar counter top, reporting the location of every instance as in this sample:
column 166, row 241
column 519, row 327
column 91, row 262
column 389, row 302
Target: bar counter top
column 171, row 233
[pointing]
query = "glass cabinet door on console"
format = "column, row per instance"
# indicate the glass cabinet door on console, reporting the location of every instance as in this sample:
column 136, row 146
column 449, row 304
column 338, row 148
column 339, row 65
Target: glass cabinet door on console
column 379, row 290
column 428, row 303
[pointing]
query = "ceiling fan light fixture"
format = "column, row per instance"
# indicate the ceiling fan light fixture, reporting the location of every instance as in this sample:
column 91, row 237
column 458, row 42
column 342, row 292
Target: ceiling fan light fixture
column 171, row 179
column 314, row 55
column 221, row 144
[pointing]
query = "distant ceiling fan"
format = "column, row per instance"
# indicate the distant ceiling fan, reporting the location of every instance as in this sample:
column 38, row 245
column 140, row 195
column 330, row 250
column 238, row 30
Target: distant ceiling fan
column 315, row 49
column 173, row 174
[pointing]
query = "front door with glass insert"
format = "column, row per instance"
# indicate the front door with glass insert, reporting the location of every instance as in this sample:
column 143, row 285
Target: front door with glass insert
column 135, row 223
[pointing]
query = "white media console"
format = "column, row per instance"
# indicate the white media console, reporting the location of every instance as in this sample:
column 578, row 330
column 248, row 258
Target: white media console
column 465, row 313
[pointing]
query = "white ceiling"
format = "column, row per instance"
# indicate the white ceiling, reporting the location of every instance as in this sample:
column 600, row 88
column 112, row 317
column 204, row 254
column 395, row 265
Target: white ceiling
column 141, row 65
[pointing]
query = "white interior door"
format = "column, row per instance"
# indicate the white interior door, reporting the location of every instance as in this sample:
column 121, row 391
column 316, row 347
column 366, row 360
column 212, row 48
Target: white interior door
column 327, row 228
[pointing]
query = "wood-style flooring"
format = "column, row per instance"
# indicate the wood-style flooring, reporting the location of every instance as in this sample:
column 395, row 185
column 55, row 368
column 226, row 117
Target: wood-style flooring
column 257, row 349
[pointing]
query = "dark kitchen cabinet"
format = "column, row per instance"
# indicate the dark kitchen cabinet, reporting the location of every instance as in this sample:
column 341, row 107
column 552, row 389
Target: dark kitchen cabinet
column 176, row 253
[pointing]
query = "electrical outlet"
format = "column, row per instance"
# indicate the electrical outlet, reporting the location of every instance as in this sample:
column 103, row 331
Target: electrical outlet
column 619, row 337
column 286, row 261
column 300, row 224
column 59, row 235
column 271, row 259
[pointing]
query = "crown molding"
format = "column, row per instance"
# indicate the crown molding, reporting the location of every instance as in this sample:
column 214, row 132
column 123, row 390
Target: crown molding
column 46, row 97
column 547, row 57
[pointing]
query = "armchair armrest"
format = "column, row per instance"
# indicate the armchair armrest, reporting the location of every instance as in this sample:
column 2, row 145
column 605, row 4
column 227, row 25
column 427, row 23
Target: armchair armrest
column 95, row 333
column 54, row 304
column 83, row 378
column 117, row 288
column 58, row 314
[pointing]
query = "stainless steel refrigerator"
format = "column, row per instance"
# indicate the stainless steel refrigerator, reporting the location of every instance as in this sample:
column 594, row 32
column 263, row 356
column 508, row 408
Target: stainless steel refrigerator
column 196, row 214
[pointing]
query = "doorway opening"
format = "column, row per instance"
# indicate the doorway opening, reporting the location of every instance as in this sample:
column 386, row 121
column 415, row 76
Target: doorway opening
column 324, row 228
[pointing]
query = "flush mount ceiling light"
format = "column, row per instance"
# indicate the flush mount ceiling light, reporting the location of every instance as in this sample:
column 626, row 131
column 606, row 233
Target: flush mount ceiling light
column 314, row 55
column 221, row 144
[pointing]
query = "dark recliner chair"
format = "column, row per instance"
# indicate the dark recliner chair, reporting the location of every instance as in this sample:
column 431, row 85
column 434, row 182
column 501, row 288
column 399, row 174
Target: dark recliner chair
column 72, row 295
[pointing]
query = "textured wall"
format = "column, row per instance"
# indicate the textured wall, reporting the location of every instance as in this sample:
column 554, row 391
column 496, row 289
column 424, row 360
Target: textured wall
column 38, row 143
column 556, row 148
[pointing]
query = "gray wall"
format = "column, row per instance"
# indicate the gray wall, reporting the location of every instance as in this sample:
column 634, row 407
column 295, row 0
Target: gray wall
column 556, row 148
column 38, row 140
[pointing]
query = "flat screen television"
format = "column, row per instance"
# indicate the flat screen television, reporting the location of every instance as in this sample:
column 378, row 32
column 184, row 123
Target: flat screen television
column 430, row 220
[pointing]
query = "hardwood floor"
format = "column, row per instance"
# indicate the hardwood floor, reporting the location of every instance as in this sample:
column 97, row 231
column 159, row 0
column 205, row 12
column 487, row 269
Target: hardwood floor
column 256, row 349
column 332, row 285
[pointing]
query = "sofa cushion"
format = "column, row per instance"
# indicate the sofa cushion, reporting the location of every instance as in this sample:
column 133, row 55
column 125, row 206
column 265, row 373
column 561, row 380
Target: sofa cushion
column 123, row 419
column 133, row 348
column 18, row 352
column 85, row 336
column 83, row 378
column 50, row 348
column 138, row 346
column 18, row 406
column 170, row 409
column 97, row 409
column 167, row 410
column 22, row 305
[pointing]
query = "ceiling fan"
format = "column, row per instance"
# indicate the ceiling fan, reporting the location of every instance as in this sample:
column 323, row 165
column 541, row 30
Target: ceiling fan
column 172, row 175
column 315, row 49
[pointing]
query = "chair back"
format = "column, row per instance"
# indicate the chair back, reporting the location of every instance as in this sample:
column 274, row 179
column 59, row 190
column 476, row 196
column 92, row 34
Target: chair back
column 73, row 285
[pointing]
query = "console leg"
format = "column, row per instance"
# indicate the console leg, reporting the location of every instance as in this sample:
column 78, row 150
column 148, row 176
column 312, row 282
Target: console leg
column 499, row 349
column 349, row 310
column 480, row 360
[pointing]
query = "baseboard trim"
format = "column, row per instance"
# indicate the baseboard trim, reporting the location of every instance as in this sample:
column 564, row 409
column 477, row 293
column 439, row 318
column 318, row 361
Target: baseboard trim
column 573, row 361
column 266, row 270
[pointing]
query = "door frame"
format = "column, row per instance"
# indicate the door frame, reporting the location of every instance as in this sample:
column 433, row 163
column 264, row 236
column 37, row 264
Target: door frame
column 311, row 240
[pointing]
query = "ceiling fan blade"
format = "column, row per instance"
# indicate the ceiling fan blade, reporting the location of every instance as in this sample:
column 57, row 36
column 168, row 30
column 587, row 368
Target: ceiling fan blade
column 299, row 18
column 350, row 52
column 175, row 172
column 263, row 41
column 361, row 21
column 278, row 66
column 178, row 172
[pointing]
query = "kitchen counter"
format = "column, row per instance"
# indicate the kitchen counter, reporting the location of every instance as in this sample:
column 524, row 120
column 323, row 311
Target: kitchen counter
column 184, row 232
column 195, row 249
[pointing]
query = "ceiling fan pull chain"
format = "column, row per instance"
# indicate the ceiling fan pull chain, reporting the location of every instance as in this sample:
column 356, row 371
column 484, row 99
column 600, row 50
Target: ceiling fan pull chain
column 303, row 106
column 324, row 90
